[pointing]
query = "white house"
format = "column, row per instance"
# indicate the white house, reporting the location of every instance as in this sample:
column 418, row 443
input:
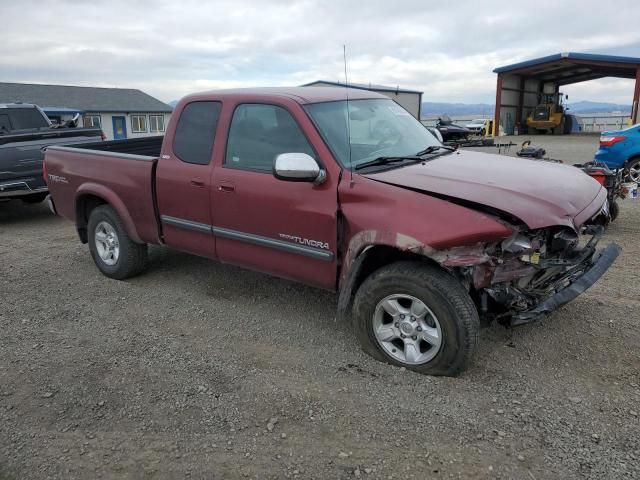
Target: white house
column 120, row 112
column 411, row 100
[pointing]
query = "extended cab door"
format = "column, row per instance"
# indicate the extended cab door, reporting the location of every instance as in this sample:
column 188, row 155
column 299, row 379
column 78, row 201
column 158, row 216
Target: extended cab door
column 183, row 179
column 279, row 227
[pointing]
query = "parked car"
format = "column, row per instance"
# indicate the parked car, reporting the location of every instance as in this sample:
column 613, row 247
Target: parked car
column 24, row 131
column 450, row 131
column 479, row 126
column 621, row 149
column 420, row 240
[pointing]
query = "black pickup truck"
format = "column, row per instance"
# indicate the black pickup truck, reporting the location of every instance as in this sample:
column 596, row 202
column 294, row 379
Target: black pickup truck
column 24, row 131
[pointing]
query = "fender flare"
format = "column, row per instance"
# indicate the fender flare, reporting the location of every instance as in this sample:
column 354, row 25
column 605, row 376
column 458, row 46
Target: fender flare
column 114, row 201
column 363, row 243
column 357, row 253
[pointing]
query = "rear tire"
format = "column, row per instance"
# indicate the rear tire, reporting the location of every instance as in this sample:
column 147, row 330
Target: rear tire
column 450, row 323
column 633, row 169
column 115, row 254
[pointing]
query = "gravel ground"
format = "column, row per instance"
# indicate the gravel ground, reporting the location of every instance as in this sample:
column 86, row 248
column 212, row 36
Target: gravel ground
column 201, row 370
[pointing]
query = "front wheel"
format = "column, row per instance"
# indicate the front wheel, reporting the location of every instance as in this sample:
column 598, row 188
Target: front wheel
column 115, row 254
column 416, row 316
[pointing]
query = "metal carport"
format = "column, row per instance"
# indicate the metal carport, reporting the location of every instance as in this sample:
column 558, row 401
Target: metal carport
column 520, row 85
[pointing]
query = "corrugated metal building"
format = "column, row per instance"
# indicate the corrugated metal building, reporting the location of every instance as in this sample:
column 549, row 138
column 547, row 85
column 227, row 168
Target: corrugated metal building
column 120, row 112
column 411, row 100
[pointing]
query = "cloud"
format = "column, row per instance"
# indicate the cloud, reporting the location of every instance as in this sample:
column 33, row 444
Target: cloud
column 171, row 48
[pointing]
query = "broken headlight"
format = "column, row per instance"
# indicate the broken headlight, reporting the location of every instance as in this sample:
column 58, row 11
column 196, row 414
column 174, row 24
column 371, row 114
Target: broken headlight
column 517, row 243
column 564, row 240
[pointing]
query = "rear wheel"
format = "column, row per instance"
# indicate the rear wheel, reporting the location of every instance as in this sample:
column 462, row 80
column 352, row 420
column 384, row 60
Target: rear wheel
column 416, row 316
column 634, row 170
column 115, row 254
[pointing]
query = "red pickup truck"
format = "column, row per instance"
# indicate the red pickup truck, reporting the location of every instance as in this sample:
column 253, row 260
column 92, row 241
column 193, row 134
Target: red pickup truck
column 351, row 194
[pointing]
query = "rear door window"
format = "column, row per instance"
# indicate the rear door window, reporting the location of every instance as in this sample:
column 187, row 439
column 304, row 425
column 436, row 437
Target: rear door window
column 23, row 119
column 195, row 132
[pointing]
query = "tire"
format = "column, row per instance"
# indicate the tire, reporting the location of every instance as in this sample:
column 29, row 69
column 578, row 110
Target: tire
column 614, row 210
column 35, row 198
column 450, row 314
column 633, row 169
column 115, row 255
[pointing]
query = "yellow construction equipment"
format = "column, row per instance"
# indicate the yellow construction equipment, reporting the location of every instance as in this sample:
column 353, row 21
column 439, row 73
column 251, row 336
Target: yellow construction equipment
column 550, row 115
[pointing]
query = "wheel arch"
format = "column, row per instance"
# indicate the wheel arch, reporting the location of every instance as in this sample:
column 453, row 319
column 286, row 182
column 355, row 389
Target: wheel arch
column 90, row 196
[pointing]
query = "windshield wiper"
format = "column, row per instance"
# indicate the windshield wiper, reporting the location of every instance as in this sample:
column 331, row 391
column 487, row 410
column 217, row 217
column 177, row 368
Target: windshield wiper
column 434, row 148
column 388, row 160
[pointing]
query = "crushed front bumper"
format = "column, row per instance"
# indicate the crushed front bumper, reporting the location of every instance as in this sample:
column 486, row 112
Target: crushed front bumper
column 599, row 264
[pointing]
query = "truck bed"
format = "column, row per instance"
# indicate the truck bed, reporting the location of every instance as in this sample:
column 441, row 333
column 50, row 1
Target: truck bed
column 107, row 172
column 146, row 146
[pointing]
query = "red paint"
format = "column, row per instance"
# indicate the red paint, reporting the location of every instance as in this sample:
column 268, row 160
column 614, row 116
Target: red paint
column 392, row 208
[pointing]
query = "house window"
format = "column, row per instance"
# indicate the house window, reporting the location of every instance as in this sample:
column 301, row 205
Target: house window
column 138, row 123
column 92, row 121
column 156, row 123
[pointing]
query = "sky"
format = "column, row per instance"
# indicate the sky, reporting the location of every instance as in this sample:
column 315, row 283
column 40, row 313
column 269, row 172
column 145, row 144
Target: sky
column 171, row 48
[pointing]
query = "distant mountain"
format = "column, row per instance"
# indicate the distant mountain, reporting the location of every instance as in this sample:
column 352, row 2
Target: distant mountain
column 597, row 107
column 172, row 103
column 435, row 109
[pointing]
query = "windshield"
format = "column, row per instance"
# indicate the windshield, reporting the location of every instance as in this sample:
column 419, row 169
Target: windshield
column 377, row 128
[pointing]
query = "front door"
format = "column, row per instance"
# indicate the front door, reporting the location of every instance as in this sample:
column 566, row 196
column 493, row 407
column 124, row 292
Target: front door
column 275, row 226
column 119, row 128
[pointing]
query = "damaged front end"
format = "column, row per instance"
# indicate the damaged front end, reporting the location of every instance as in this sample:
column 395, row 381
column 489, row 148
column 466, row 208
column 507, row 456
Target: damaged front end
column 532, row 273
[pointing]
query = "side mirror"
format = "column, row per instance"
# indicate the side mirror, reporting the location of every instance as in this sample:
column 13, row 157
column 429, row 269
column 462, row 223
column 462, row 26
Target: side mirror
column 297, row 167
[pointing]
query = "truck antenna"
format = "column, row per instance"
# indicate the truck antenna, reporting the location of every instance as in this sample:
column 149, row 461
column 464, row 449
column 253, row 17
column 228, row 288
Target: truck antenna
column 346, row 86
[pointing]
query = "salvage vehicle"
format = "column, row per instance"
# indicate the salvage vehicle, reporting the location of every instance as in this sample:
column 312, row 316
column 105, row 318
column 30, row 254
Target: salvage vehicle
column 24, row 131
column 350, row 194
column 620, row 149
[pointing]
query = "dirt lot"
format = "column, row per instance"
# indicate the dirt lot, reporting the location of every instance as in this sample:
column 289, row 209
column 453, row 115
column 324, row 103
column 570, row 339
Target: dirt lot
column 207, row 371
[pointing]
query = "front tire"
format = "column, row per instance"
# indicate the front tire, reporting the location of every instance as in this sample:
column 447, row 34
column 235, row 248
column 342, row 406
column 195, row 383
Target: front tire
column 115, row 254
column 416, row 316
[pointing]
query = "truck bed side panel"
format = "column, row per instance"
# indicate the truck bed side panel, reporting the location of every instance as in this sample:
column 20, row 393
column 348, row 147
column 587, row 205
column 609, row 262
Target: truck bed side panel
column 123, row 181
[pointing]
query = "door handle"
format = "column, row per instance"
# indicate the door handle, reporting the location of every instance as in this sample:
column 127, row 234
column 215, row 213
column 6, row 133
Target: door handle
column 227, row 187
column 197, row 182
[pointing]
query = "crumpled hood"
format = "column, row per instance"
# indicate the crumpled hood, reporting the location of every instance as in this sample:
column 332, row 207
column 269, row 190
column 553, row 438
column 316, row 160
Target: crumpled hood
column 539, row 193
